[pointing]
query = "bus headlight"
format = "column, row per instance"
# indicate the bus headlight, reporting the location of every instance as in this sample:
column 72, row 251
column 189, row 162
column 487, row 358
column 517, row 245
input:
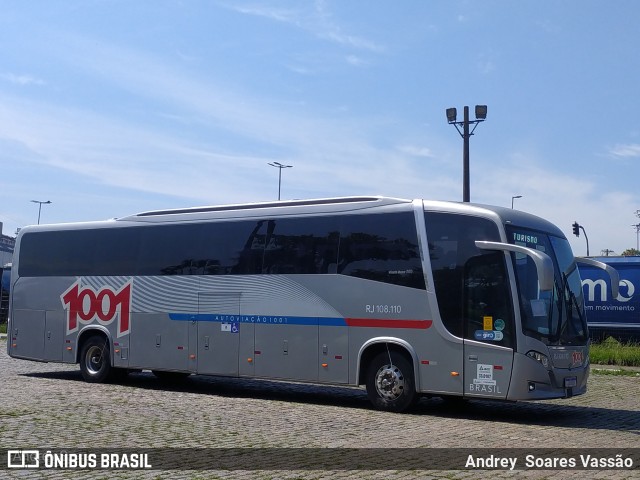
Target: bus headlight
column 543, row 359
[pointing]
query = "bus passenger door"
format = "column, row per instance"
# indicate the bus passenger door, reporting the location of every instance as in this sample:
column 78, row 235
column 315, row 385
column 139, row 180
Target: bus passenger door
column 488, row 326
column 218, row 333
column 26, row 338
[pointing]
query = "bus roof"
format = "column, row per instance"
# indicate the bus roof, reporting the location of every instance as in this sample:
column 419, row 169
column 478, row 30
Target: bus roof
column 618, row 260
column 321, row 206
column 318, row 205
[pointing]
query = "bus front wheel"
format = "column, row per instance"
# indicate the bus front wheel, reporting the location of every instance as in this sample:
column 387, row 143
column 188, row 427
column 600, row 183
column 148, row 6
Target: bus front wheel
column 390, row 383
column 95, row 359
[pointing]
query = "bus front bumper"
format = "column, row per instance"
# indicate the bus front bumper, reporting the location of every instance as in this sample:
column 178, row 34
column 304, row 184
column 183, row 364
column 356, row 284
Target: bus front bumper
column 530, row 380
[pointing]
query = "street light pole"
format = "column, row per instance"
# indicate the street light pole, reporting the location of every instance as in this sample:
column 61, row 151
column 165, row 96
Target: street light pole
column 466, row 193
column 279, row 166
column 40, row 207
column 513, row 198
column 481, row 115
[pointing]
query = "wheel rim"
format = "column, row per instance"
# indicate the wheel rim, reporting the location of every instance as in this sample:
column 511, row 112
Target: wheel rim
column 94, row 360
column 390, row 382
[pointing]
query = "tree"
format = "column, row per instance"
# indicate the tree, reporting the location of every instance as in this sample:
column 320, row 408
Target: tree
column 631, row 252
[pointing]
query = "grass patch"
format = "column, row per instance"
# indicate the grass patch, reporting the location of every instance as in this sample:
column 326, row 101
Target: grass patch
column 3, row 327
column 613, row 352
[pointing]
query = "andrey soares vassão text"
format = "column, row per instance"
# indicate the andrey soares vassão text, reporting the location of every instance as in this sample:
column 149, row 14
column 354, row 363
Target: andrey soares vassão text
column 532, row 461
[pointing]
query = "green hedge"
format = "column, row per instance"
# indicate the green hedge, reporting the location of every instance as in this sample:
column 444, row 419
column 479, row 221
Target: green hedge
column 612, row 352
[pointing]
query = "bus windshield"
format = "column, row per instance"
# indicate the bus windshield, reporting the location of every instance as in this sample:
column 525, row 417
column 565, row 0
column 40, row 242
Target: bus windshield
column 555, row 317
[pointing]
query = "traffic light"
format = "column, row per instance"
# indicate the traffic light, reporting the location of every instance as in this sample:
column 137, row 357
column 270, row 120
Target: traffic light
column 576, row 229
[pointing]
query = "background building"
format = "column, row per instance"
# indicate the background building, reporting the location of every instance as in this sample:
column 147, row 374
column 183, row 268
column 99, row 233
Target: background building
column 6, row 247
column 6, row 253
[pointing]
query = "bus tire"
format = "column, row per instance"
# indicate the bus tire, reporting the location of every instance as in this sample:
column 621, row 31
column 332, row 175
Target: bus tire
column 390, row 382
column 95, row 359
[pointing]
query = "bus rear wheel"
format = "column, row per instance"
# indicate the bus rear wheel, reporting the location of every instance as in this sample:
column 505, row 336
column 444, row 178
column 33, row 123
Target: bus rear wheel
column 95, row 359
column 390, row 383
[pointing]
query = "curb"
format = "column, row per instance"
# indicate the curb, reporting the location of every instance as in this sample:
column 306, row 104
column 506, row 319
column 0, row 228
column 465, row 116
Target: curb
column 614, row 367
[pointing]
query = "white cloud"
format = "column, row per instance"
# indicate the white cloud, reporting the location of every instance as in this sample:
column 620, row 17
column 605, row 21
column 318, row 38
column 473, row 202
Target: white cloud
column 272, row 13
column 630, row 150
column 318, row 22
column 356, row 61
column 416, row 151
column 22, row 79
column 486, row 63
column 561, row 199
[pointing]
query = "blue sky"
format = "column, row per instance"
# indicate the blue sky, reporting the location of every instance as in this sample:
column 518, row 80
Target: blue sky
column 111, row 107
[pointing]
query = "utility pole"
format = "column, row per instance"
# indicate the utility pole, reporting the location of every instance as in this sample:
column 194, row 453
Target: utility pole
column 606, row 252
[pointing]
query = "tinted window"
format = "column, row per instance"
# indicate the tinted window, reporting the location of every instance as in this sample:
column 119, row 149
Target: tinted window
column 223, row 248
column 110, row 251
column 460, row 277
column 302, row 245
column 488, row 316
column 381, row 247
column 375, row 247
column 174, row 250
column 80, row 252
column 239, row 247
column 202, row 249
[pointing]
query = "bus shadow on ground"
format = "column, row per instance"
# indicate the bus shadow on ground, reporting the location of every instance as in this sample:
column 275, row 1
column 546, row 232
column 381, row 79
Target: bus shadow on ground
column 521, row 413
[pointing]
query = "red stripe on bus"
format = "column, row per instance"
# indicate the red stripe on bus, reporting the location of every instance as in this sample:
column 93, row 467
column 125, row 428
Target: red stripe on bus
column 381, row 323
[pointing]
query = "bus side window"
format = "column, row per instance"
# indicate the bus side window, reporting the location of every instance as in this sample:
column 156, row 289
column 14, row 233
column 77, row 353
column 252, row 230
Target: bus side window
column 381, row 247
column 165, row 250
column 302, row 246
column 249, row 249
column 488, row 316
column 451, row 240
column 447, row 276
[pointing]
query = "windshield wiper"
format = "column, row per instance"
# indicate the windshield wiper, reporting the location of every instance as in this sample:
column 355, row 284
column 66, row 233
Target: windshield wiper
column 573, row 302
column 554, row 335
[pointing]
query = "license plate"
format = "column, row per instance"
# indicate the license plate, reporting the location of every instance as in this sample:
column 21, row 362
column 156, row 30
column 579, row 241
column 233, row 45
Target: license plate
column 570, row 382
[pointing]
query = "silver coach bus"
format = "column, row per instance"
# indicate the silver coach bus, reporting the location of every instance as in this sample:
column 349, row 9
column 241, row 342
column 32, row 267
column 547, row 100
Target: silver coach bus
column 408, row 298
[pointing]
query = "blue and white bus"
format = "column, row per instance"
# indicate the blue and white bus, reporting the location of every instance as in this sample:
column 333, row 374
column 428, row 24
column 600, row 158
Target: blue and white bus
column 608, row 315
